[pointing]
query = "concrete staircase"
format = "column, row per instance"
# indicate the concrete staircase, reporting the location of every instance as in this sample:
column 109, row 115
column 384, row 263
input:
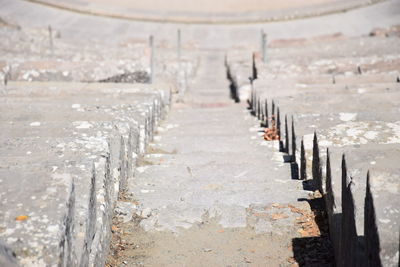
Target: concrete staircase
column 68, row 150
column 98, row 170
column 338, row 119
column 69, row 145
column 210, row 186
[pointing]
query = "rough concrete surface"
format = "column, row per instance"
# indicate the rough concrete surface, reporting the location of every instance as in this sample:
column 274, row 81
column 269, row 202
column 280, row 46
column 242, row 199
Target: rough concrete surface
column 219, row 158
column 210, row 186
column 347, row 102
column 65, row 157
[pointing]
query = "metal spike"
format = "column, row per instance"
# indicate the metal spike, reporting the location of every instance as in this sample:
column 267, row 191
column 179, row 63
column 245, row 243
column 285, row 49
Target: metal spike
column 278, row 123
column 344, row 177
column 303, row 171
column 293, row 142
column 273, row 110
column 286, row 135
column 330, row 200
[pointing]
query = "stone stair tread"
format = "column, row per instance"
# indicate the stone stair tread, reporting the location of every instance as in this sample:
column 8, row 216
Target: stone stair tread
column 63, row 136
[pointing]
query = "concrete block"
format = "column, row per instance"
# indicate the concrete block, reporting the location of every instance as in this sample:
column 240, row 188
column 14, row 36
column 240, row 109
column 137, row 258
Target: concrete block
column 67, row 151
column 342, row 118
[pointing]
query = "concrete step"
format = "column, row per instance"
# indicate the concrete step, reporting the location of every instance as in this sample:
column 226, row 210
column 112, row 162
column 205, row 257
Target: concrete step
column 345, row 123
column 372, row 175
column 71, row 149
column 160, row 157
column 354, row 111
column 214, row 161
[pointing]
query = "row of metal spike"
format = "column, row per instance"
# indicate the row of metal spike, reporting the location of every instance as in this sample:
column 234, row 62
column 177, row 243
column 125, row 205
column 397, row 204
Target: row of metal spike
column 342, row 233
column 260, row 109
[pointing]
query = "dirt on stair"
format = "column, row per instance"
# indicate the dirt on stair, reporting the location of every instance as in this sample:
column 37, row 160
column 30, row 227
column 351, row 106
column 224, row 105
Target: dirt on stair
column 208, row 243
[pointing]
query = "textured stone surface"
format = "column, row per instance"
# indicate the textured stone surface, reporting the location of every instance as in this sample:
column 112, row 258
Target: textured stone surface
column 354, row 112
column 66, row 154
column 351, row 74
column 209, row 176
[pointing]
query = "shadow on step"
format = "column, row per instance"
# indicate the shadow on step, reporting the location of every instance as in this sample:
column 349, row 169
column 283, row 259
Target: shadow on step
column 314, row 247
column 294, row 170
column 311, row 251
column 294, row 167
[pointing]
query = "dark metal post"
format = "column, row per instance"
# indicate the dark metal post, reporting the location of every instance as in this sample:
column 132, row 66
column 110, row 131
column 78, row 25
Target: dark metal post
column 303, row 171
column 278, row 123
column 254, row 68
column 293, row 142
column 286, row 136
column 273, row 111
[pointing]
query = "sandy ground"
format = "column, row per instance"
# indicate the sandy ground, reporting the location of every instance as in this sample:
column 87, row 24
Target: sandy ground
column 203, row 244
